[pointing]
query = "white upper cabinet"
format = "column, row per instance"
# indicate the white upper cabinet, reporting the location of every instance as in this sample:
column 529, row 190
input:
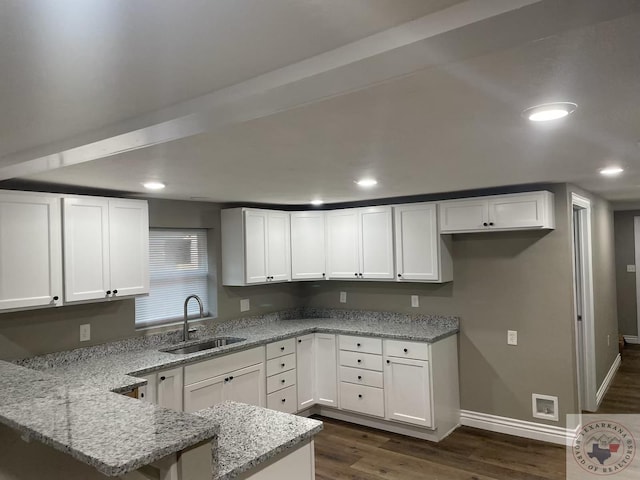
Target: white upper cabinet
column 106, row 248
column 422, row 254
column 518, row 211
column 360, row 243
column 307, row 246
column 30, row 250
column 255, row 246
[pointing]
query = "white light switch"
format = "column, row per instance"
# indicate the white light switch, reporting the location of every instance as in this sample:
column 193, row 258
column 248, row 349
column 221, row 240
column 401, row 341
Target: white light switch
column 631, row 268
column 85, row 332
column 244, row 305
column 343, row 297
column 512, row 337
column 415, row 301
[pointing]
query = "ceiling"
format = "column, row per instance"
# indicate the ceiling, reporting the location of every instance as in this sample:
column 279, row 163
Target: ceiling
column 454, row 123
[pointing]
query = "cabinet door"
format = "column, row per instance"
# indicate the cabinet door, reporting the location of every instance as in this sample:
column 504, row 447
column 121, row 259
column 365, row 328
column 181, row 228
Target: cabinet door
column 464, row 216
column 129, row 247
column 407, row 391
column 417, row 240
column 305, row 366
column 30, row 251
column 86, row 248
column 326, row 372
column 204, row 394
column 343, row 244
column 517, row 211
column 255, row 238
column 278, row 247
column 376, row 243
column 247, row 385
column 307, row 246
column 169, row 389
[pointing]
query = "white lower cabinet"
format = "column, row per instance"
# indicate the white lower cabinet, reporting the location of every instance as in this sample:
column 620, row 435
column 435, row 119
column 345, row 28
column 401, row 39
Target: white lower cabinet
column 305, row 365
column 282, row 367
column 164, row 388
column 238, row 377
column 326, row 370
column 407, row 389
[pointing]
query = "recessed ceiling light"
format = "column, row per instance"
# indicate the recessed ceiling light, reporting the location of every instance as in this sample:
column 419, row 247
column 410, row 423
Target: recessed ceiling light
column 316, row 202
column 549, row 111
column 153, row 185
column 611, row 171
column 366, row 182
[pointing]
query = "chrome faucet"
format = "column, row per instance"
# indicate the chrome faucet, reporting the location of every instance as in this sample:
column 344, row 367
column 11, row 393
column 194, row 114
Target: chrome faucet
column 185, row 330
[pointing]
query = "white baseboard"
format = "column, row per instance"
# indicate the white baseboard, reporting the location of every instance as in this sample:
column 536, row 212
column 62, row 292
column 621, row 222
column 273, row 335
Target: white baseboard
column 519, row 428
column 631, row 339
column 606, row 383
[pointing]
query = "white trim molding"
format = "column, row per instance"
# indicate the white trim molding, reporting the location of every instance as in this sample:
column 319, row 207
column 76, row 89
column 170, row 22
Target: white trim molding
column 631, row 339
column 606, row 383
column 519, row 428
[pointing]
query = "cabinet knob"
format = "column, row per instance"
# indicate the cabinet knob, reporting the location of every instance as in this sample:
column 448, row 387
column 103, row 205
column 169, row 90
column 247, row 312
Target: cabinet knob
column 406, row 351
column 485, row 224
column 282, row 365
column 283, row 381
column 284, row 400
column 399, row 275
column 359, row 395
column 359, row 361
column 230, row 378
column 358, row 345
column 359, row 377
column 108, row 292
column 388, row 361
column 360, row 275
column 56, row 298
column 163, row 378
column 323, row 274
column 226, row 379
column 356, row 274
column 491, row 224
column 299, row 341
column 282, row 349
column 141, row 395
column 115, row 291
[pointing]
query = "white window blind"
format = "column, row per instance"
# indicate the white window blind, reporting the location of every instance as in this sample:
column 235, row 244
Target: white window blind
column 178, row 267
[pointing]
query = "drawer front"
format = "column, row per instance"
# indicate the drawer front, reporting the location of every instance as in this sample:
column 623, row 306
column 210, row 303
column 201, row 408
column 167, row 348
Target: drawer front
column 361, row 360
column 361, row 377
column 361, row 399
column 280, row 381
column 283, row 347
column 402, row 349
column 203, row 370
column 284, row 400
column 281, row 364
column 361, row 344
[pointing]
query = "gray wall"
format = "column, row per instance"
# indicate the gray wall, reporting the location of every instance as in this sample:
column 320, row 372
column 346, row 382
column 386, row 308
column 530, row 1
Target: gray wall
column 28, row 333
column 502, row 281
column 626, row 281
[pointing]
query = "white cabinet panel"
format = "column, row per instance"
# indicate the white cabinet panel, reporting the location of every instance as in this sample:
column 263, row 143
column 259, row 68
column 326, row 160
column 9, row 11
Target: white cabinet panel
column 246, row 385
column 281, row 364
column 278, row 247
column 517, row 211
column 422, row 254
column 86, row 248
column 367, row 361
column 361, row 344
column 464, row 215
column 305, row 365
column 362, row 399
column 280, row 348
column 255, row 224
column 408, row 391
column 376, row 243
column 361, row 377
column 326, row 370
column 30, row 250
column 307, row 246
column 204, row 394
column 343, row 244
column 169, row 389
column 284, row 400
column 281, row 380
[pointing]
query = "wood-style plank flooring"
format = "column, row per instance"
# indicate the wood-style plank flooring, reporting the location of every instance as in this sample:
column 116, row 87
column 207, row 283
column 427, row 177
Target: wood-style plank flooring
column 345, row 451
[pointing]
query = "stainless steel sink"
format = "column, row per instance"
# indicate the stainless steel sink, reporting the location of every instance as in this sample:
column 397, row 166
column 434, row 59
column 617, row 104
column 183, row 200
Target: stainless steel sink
column 209, row 344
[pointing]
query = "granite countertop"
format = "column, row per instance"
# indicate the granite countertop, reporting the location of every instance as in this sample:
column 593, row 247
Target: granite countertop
column 65, row 399
column 250, row 435
column 113, row 433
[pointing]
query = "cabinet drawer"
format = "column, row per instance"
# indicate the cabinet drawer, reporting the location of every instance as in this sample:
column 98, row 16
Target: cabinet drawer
column 284, row 400
column 361, row 360
column 361, row 399
column 361, row 377
column 361, row 344
column 281, row 364
column 280, row 381
column 283, row 347
column 403, row 349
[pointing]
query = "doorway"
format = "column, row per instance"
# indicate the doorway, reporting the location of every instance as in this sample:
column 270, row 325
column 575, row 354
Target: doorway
column 583, row 302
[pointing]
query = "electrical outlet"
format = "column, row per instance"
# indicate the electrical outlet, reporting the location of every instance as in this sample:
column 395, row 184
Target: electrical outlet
column 631, row 268
column 512, row 337
column 85, row 332
column 343, row 297
column 245, row 305
column 415, row 301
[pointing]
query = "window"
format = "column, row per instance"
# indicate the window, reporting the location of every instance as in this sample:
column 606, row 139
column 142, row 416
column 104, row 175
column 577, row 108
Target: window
column 178, row 267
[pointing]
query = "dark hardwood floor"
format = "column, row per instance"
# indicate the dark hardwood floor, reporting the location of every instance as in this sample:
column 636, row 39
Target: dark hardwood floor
column 345, row 451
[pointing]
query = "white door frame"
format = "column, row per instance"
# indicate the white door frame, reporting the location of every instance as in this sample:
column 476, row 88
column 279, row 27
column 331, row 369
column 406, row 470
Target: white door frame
column 636, row 239
column 586, row 371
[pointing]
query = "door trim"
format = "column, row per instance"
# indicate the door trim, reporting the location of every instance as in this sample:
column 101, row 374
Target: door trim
column 636, row 239
column 590, row 402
